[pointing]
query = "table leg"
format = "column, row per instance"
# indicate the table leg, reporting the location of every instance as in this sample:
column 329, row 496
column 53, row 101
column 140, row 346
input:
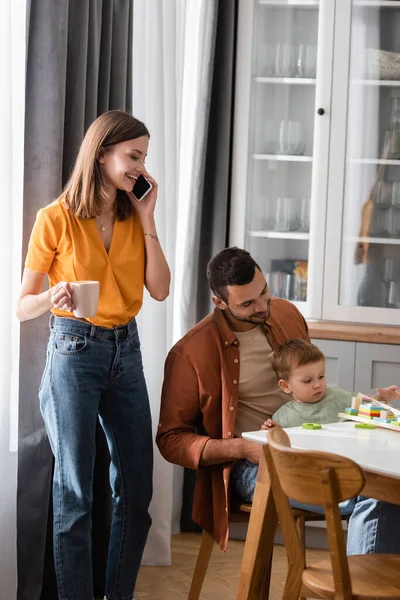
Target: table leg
column 257, row 556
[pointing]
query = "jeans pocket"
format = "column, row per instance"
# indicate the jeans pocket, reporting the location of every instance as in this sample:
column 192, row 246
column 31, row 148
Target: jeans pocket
column 69, row 343
column 134, row 341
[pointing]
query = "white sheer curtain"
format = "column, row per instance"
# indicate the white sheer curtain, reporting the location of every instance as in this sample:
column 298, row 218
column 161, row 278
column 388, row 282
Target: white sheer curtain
column 12, row 107
column 172, row 53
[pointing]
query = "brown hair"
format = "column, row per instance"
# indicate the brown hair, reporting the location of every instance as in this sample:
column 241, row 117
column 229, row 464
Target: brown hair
column 294, row 353
column 231, row 266
column 84, row 192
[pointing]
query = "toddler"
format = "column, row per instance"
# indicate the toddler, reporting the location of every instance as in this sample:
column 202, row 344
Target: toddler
column 300, row 369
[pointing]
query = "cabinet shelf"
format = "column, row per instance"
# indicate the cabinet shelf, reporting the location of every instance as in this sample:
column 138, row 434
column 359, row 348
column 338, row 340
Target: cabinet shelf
column 372, row 240
column 290, row 3
column 375, row 161
column 280, row 235
column 378, row 3
column 286, row 80
column 283, row 157
column 377, row 82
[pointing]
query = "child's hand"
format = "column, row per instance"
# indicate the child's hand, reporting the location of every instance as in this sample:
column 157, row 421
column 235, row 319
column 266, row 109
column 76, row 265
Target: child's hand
column 388, row 394
column 268, row 424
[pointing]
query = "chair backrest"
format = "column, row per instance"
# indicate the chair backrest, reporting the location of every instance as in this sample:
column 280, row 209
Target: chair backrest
column 317, row 478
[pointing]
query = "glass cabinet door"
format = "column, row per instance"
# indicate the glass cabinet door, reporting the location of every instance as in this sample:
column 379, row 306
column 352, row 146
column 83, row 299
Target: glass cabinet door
column 282, row 199
column 368, row 232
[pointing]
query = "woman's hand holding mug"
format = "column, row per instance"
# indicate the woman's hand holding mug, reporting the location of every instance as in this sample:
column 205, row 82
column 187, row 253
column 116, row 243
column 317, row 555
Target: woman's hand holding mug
column 61, row 296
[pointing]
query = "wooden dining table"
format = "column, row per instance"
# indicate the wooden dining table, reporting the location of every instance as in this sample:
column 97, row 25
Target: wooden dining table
column 377, row 451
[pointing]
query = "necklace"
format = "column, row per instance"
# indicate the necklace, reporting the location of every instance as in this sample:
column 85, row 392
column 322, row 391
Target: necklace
column 103, row 225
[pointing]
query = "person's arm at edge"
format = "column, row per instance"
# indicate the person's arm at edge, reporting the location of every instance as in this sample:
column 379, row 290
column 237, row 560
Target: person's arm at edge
column 32, row 303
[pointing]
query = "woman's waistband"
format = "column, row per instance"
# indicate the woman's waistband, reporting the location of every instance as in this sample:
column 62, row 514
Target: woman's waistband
column 85, row 328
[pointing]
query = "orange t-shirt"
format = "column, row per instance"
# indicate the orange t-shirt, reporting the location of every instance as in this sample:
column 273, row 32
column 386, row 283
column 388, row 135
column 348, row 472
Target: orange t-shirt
column 71, row 249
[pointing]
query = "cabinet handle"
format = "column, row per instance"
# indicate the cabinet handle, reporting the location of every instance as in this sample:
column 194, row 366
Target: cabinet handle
column 321, row 111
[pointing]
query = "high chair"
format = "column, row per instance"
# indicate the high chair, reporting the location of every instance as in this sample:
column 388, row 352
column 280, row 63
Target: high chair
column 324, row 479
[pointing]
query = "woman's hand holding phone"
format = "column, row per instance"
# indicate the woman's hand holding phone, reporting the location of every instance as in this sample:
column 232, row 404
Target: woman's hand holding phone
column 146, row 204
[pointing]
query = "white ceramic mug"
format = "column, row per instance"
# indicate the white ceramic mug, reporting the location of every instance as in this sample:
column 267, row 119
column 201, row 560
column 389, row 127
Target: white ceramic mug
column 85, row 296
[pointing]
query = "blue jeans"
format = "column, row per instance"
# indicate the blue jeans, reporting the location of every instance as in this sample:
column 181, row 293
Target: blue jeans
column 373, row 525
column 94, row 372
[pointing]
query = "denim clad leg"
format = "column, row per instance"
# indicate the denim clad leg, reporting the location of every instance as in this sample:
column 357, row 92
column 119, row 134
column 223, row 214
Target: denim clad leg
column 373, row 528
column 126, row 420
column 243, row 479
column 243, row 483
column 75, row 374
column 89, row 371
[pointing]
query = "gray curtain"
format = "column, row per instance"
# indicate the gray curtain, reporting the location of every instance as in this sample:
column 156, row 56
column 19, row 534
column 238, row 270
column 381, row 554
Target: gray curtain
column 217, row 175
column 216, row 185
column 78, row 66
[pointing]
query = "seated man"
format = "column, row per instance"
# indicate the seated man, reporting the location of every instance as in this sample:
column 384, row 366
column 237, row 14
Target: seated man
column 219, row 382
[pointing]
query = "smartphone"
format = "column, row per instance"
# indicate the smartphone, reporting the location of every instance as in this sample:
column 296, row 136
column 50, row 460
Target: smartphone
column 141, row 188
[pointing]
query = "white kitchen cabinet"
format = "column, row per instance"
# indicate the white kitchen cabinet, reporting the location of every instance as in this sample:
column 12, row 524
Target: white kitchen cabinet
column 340, row 362
column 316, row 154
column 376, row 365
column 360, row 366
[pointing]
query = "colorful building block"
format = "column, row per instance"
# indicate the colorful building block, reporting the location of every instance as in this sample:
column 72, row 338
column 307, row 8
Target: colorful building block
column 369, row 410
column 351, row 411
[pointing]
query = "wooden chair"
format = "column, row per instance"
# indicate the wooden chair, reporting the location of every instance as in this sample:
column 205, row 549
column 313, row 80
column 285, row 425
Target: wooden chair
column 240, row 513
column 322, row 478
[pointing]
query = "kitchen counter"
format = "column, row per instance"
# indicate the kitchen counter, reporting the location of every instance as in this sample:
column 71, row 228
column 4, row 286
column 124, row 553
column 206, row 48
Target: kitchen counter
column 354, row 332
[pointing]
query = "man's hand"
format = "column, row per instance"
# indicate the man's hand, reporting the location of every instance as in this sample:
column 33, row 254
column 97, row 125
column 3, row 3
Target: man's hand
column 268, row 424
column 251, row 451
column 388, row 394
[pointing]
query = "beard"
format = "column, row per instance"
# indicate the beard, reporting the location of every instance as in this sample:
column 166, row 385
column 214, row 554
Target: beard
column 254, row 319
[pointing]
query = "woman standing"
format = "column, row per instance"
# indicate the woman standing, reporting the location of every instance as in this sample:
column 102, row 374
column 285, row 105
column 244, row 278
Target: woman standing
column 97, row 230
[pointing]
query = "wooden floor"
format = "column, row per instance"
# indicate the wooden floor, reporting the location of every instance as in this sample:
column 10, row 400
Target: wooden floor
column 173, row 583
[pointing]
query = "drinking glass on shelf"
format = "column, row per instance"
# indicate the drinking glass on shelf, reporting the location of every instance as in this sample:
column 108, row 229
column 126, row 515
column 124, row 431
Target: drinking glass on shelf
column 290, row 141
column 288, row 283
column 396, row 194
column 391, row 270
column 306, row 61
column 285, row 60
column 304, row 217
column 286, row 214
column 394, row 294
column 262, row 214
column 300, row 290
column 391, row 144
column 275, row 283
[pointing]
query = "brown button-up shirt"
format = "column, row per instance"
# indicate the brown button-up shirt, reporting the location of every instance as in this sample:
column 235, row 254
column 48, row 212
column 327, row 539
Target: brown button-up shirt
column 199, row 401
